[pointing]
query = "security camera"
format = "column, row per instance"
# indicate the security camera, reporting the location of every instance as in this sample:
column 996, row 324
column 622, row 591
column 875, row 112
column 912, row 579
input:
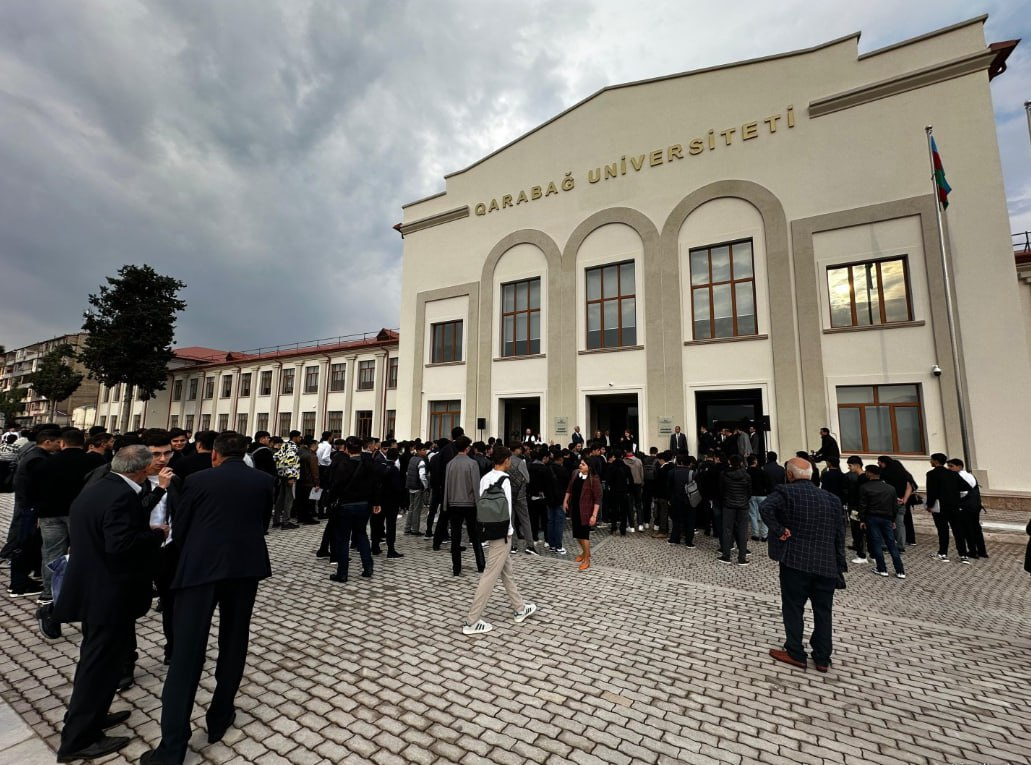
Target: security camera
column 936, row 370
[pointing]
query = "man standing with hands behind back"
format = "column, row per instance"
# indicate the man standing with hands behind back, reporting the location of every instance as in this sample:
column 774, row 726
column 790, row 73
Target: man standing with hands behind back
column 220, row 531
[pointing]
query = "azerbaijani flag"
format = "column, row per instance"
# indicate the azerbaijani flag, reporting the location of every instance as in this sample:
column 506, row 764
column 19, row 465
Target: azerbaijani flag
column 939, row 176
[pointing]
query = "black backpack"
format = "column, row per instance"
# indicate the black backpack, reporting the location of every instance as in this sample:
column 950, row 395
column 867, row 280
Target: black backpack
column 492, row 511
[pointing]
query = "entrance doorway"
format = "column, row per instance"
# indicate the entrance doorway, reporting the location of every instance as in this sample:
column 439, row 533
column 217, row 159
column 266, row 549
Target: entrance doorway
column 719, row 409
column 613, row 413
column 518, row 414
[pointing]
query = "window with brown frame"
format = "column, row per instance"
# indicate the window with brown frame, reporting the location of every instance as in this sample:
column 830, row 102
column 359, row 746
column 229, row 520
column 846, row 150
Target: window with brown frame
column 265, row 386
column 611, row 306
column 723, row 290
column 881, row 419
column 262, row 422
column 308, row 424
column 209, row 388
column 245, row 386
column 335, row 422
column 177, row 390
column 223, row 423
column 337, row 377
column 285, row 422
column 391, row 423
column 444, row 416
column 227, row 386
column 446, row 342
column 392, row 372
column 521, row 318
column 366, row 375
column 241, row 423
column 363, row 423
column 311, row 379
column 869, row 293
column 286, row 384
column 205, row 422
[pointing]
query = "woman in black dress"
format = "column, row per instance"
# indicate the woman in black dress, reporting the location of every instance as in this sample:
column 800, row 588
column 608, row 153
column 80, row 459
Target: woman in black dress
column 583, row 497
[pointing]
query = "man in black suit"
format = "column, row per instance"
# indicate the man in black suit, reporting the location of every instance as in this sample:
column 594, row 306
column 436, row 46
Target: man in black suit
column 220, row 532
column 201, row 457
column 678, row 441
column 106, row 587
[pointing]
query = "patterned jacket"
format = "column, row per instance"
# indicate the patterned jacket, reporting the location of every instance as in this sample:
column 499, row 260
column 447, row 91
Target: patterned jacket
column 288, row 461
column 817, row 541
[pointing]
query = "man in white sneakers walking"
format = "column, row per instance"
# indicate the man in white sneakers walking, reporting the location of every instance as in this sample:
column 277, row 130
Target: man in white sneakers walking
column 499, row 563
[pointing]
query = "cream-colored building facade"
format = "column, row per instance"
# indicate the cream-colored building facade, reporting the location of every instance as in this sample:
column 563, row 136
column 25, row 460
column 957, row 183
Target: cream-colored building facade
column 345, row 387
column 751, row 241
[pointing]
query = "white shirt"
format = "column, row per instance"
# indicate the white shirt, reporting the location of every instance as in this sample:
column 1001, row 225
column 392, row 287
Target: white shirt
column 132, row 484
column 492, row 478
column 324, row 452
column 159, row 513
column 971, row 482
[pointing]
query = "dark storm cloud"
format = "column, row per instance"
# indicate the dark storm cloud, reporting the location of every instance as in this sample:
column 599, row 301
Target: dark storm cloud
column 261, row 151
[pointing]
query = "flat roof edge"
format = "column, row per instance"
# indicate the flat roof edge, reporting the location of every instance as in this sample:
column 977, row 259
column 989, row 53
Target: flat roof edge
column 926, row 36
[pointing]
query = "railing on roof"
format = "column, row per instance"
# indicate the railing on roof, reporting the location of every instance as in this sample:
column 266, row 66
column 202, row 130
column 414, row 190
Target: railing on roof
column 358, row 337
column 1022, row 242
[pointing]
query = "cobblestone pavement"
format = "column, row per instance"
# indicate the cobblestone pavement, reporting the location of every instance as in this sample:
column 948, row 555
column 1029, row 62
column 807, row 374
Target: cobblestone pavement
column 656, row 655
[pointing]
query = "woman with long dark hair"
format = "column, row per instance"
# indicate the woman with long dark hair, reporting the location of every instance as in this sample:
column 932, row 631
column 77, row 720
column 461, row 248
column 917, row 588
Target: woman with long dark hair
column 583, row 497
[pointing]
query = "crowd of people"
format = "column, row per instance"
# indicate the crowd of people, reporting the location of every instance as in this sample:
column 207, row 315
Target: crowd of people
column 179, row 520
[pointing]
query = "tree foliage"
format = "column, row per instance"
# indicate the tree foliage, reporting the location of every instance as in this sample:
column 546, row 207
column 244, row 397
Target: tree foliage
column 54, row 379
column 11, row 405
column 131, row 326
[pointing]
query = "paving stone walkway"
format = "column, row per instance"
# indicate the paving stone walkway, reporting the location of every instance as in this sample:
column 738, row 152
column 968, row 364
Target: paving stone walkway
column 656, row 655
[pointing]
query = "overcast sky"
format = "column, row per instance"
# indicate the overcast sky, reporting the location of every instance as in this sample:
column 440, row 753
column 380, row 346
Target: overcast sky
column 261, row 151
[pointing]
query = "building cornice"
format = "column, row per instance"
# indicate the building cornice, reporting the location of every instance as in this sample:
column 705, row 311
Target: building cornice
column 433, row 220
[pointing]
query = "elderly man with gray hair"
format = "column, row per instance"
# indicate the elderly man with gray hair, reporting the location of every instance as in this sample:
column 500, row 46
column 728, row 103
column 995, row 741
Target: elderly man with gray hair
column 106, row 587
column 807, row 537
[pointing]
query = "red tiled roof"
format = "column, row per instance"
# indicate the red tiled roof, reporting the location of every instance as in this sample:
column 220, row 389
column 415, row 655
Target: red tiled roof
column 212, row 357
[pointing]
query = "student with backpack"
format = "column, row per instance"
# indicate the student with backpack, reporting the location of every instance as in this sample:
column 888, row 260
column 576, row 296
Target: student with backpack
column 494, row 516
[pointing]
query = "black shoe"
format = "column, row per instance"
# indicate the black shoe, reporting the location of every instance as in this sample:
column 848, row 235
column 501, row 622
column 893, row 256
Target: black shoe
column 322, row 553
column 395, row 554
column 367, row 573
column 377, row 550
column 335, row 578
column 126, row 683
column 461, row 549
column 427, row 535
column 49, row 628
column 310, row 522
column 436, row 548
column 456, row 573
column 100, row 747
column 115, row 718
column 33, row 589
column 289, row 526
column 150, row 758
column 721, row 559
column 215, row 734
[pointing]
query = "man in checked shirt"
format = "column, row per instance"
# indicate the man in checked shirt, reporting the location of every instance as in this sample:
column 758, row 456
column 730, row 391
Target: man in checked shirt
column 807, row 537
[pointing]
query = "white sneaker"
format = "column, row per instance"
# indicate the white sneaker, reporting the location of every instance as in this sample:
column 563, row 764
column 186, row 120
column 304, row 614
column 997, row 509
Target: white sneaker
column 522, row 616
column 631, row 529
column 857, row 559
column 561, row 550
column 942, row 558
column 640, row 528
column 476, row 629
column 655, row 527
column 900, row 576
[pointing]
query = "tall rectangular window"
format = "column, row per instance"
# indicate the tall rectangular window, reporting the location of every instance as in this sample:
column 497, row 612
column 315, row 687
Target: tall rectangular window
column 335, row 423
column 245, row 386
column 287, row 385
column 102, row 422
column 611, row 306
column 177, row 390
column 116, row 393
column 241, row 423
column 521, row 318
column 227, row 386
column 136, row 421
column 446, row 339
column 391, row 423
column 173, row 421
column 392, row 372
column 444, row 415
column 191, row 391
column 189, row 423
column 869, row 293
column 261, row 422
column 366, row 375
column 285, row 419
column 107, row 394
column 205, row 422
column 723, row 291
column 363, row 423
column 308, row 423
column 881, row 419
column 209, row 387
column 265, row 384
column 223, row 423
column 337, row 377
column 311, row 379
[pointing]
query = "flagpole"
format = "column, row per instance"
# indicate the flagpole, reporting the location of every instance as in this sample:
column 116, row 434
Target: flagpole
column 950, row 313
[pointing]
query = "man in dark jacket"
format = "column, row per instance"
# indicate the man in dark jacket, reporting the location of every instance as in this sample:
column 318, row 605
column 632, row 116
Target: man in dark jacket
column 736, row 490
column 807, row 537
column 877, row 507
column 943, row 490
column 24, row 544
column 828, row 447
column 617, row 481
column 201, row 457
column 223, row 556
column 681, row 512
column 107, row 587
column 354, row 498
column 438, row 470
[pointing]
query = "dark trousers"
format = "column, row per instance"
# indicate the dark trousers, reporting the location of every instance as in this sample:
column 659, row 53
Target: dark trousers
column 910, row 528
column 324, row 482
column 436, row 499
column 455, row 516
column 734, row 529
column 883, row 535
column 943, row 521
column 102, row 656
column 617, row 508
column 858, row 538
column 304, row 508
column 796, row 587
column 195, row 607
column 538, row 509
column 682, row 522
column 384, row 527
column 970, row 520
column 349, row 521
column 168, row 560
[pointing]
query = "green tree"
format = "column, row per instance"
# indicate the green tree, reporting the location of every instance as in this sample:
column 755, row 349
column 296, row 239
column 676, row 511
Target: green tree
column 54, row 379
column 131, row 326
column 11, row 405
